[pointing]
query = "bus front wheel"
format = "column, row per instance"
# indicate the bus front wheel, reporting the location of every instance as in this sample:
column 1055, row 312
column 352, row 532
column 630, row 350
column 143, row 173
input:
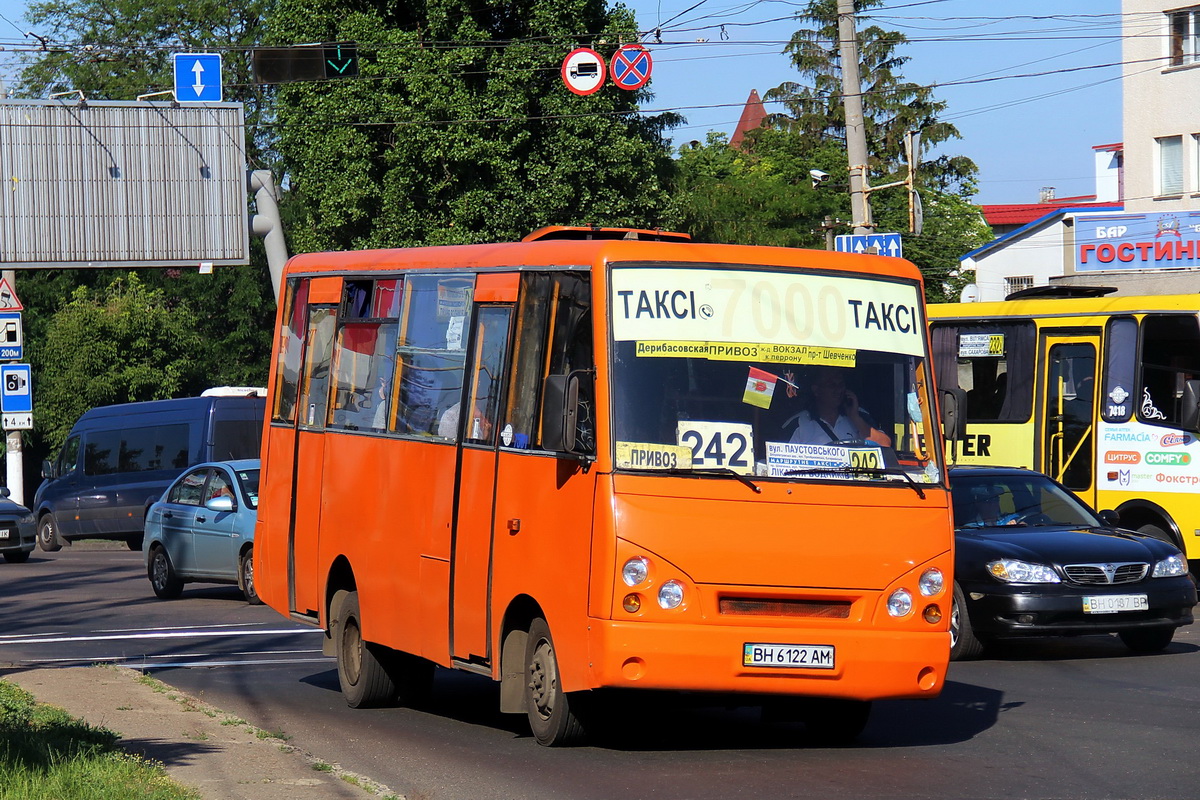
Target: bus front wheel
column 364, row 680
column 553, row 721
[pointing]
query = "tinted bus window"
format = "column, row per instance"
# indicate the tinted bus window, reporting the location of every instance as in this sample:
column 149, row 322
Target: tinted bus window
column 1170, row 356
column 1120, row 364
column 155, row 447
column 431, row 352
column 993, row 363
column 236, row 438
column 101, row 452
column 291, row 350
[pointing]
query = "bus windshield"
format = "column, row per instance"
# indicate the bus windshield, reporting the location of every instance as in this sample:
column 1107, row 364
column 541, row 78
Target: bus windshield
column 770, row 374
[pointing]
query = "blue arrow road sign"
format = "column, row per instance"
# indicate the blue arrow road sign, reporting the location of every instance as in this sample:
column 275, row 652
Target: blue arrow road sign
column 197, row 77
column 16, row 389
column 884, row 244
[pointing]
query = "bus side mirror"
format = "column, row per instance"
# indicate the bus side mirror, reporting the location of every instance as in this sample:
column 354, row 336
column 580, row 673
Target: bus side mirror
column 560, row 408
column 954, row 414
column 47, row 470
column 1190, row 412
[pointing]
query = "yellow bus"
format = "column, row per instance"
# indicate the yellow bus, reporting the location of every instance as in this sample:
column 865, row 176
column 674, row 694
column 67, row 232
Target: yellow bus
column 1101, row 393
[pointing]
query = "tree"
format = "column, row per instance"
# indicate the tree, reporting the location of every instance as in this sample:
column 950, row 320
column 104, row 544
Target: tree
column 122, row 344
column 459, row 129
column 757, row 195
column 891, row 106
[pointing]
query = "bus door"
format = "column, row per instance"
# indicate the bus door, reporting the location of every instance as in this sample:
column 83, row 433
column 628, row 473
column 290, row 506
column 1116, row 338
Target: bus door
column 313, row 399
column 474, row 525
column 1068, row 410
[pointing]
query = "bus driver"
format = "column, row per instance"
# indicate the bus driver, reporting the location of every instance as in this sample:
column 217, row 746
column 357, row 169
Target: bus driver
column 833, row 414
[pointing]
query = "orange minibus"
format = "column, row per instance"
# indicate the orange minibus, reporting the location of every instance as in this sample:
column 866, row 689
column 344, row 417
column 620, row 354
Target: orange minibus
column 610, row 459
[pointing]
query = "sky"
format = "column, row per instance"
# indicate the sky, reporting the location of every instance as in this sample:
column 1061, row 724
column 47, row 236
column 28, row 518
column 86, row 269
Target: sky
column 1031, row 92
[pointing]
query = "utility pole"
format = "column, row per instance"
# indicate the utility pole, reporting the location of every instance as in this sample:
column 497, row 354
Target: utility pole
column 856, row 133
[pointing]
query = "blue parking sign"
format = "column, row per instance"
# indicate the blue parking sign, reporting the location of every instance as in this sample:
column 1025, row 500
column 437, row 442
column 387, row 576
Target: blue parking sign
column 197, row 77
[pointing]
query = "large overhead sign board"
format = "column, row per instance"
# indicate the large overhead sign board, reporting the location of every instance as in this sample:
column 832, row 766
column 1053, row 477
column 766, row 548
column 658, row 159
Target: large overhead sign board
column 104, row 183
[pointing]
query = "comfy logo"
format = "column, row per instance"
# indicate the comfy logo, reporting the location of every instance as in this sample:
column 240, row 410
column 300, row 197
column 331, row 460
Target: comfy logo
column 1172, row 439
column 1122, row 457
column 1169, row 459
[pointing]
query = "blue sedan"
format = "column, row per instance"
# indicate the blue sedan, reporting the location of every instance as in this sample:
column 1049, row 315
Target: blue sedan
column 203, row 529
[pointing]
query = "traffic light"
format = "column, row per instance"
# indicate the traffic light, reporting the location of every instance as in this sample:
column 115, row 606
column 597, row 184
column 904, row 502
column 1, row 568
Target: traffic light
column 305, row 62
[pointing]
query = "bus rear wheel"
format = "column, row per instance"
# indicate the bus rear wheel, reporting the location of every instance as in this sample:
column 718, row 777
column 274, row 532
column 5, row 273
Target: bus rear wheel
column 551, row 718
column 47, row 534
column 364, row 680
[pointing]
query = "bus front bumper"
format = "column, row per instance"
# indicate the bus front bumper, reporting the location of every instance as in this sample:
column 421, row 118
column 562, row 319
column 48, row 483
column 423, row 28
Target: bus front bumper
column 867, row 664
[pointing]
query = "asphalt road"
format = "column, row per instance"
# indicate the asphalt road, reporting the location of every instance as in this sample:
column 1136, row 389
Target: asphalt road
column 1074, row 718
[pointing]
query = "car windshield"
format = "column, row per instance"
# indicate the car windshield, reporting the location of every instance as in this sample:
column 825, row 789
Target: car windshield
column 984, row 501
column 770, row 374
column 248, row 478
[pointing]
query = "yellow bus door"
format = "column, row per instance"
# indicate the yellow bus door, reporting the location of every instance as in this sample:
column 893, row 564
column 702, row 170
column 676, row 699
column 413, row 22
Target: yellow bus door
column 1068, row 410
column 474, row 528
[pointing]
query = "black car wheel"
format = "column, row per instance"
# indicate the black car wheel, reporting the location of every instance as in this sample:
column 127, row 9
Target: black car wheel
column 246, row 578
column 47, row 534
column 963, row 642
column 166, row 584
column 1147, row 640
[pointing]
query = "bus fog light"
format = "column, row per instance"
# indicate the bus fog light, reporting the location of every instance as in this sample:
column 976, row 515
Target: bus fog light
column 931, row 582
column 632, row 603
column 635, row 571
column 933, row 614
column 670, row 595
column 900, row 603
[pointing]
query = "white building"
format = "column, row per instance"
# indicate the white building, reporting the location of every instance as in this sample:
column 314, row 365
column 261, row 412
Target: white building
column 1151, row 245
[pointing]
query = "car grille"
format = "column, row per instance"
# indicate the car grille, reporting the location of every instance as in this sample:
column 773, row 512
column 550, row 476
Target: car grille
column 1105, row 574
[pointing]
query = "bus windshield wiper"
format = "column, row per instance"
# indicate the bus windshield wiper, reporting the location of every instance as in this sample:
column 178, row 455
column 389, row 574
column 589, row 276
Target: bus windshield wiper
column 709, row 471
column 872, row 471
column 727, row 471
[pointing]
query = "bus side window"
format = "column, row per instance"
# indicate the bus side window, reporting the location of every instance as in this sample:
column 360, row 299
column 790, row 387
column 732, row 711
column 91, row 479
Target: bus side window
column 553, row 337
column 431, row 353
column 291, row 334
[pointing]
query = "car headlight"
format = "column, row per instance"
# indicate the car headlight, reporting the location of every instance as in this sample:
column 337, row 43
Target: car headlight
column 1012, row 571
column 1170, row 567
column 931, row 582
column 28, row 519
column 899, row 604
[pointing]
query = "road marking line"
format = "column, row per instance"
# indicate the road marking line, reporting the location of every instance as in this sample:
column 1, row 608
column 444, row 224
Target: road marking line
column 182, row 627
column 183, row 634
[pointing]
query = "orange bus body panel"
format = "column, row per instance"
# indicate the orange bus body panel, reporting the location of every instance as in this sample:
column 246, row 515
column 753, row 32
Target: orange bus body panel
column 443, row 540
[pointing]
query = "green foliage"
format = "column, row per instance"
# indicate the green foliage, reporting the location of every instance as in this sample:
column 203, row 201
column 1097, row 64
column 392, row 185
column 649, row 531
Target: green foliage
column 122, row 344
column 459, row 128
column 760, row 195
column 891, row 106
column 45, row 754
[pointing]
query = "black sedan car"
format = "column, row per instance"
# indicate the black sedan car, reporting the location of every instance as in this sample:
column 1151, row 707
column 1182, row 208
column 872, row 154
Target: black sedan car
column 1031, row 559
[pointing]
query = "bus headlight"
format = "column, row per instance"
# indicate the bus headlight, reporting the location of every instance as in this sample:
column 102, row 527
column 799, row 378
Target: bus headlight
column 670, row 595
column 900, row 603
column 931, row 582
column 635, row 571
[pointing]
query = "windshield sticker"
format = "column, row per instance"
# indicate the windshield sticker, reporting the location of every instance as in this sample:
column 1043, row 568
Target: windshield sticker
column 781, row 307
column 648, row 455
column 749, row 351
column 1149, row 410
column 787, row 459
column 980, row 345
column 718, row 445
column 760, row 388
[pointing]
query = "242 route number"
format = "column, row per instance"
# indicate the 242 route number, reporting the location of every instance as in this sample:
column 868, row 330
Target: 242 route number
column 718, row 444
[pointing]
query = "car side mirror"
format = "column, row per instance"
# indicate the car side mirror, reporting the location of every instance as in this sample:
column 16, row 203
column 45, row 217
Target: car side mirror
column 560, row 409
column 1109, row 517
column 220, row 504
column 954, row 414
column 1190, row 411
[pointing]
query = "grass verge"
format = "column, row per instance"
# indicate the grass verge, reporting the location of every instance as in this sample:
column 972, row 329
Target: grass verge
column 45, row 754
